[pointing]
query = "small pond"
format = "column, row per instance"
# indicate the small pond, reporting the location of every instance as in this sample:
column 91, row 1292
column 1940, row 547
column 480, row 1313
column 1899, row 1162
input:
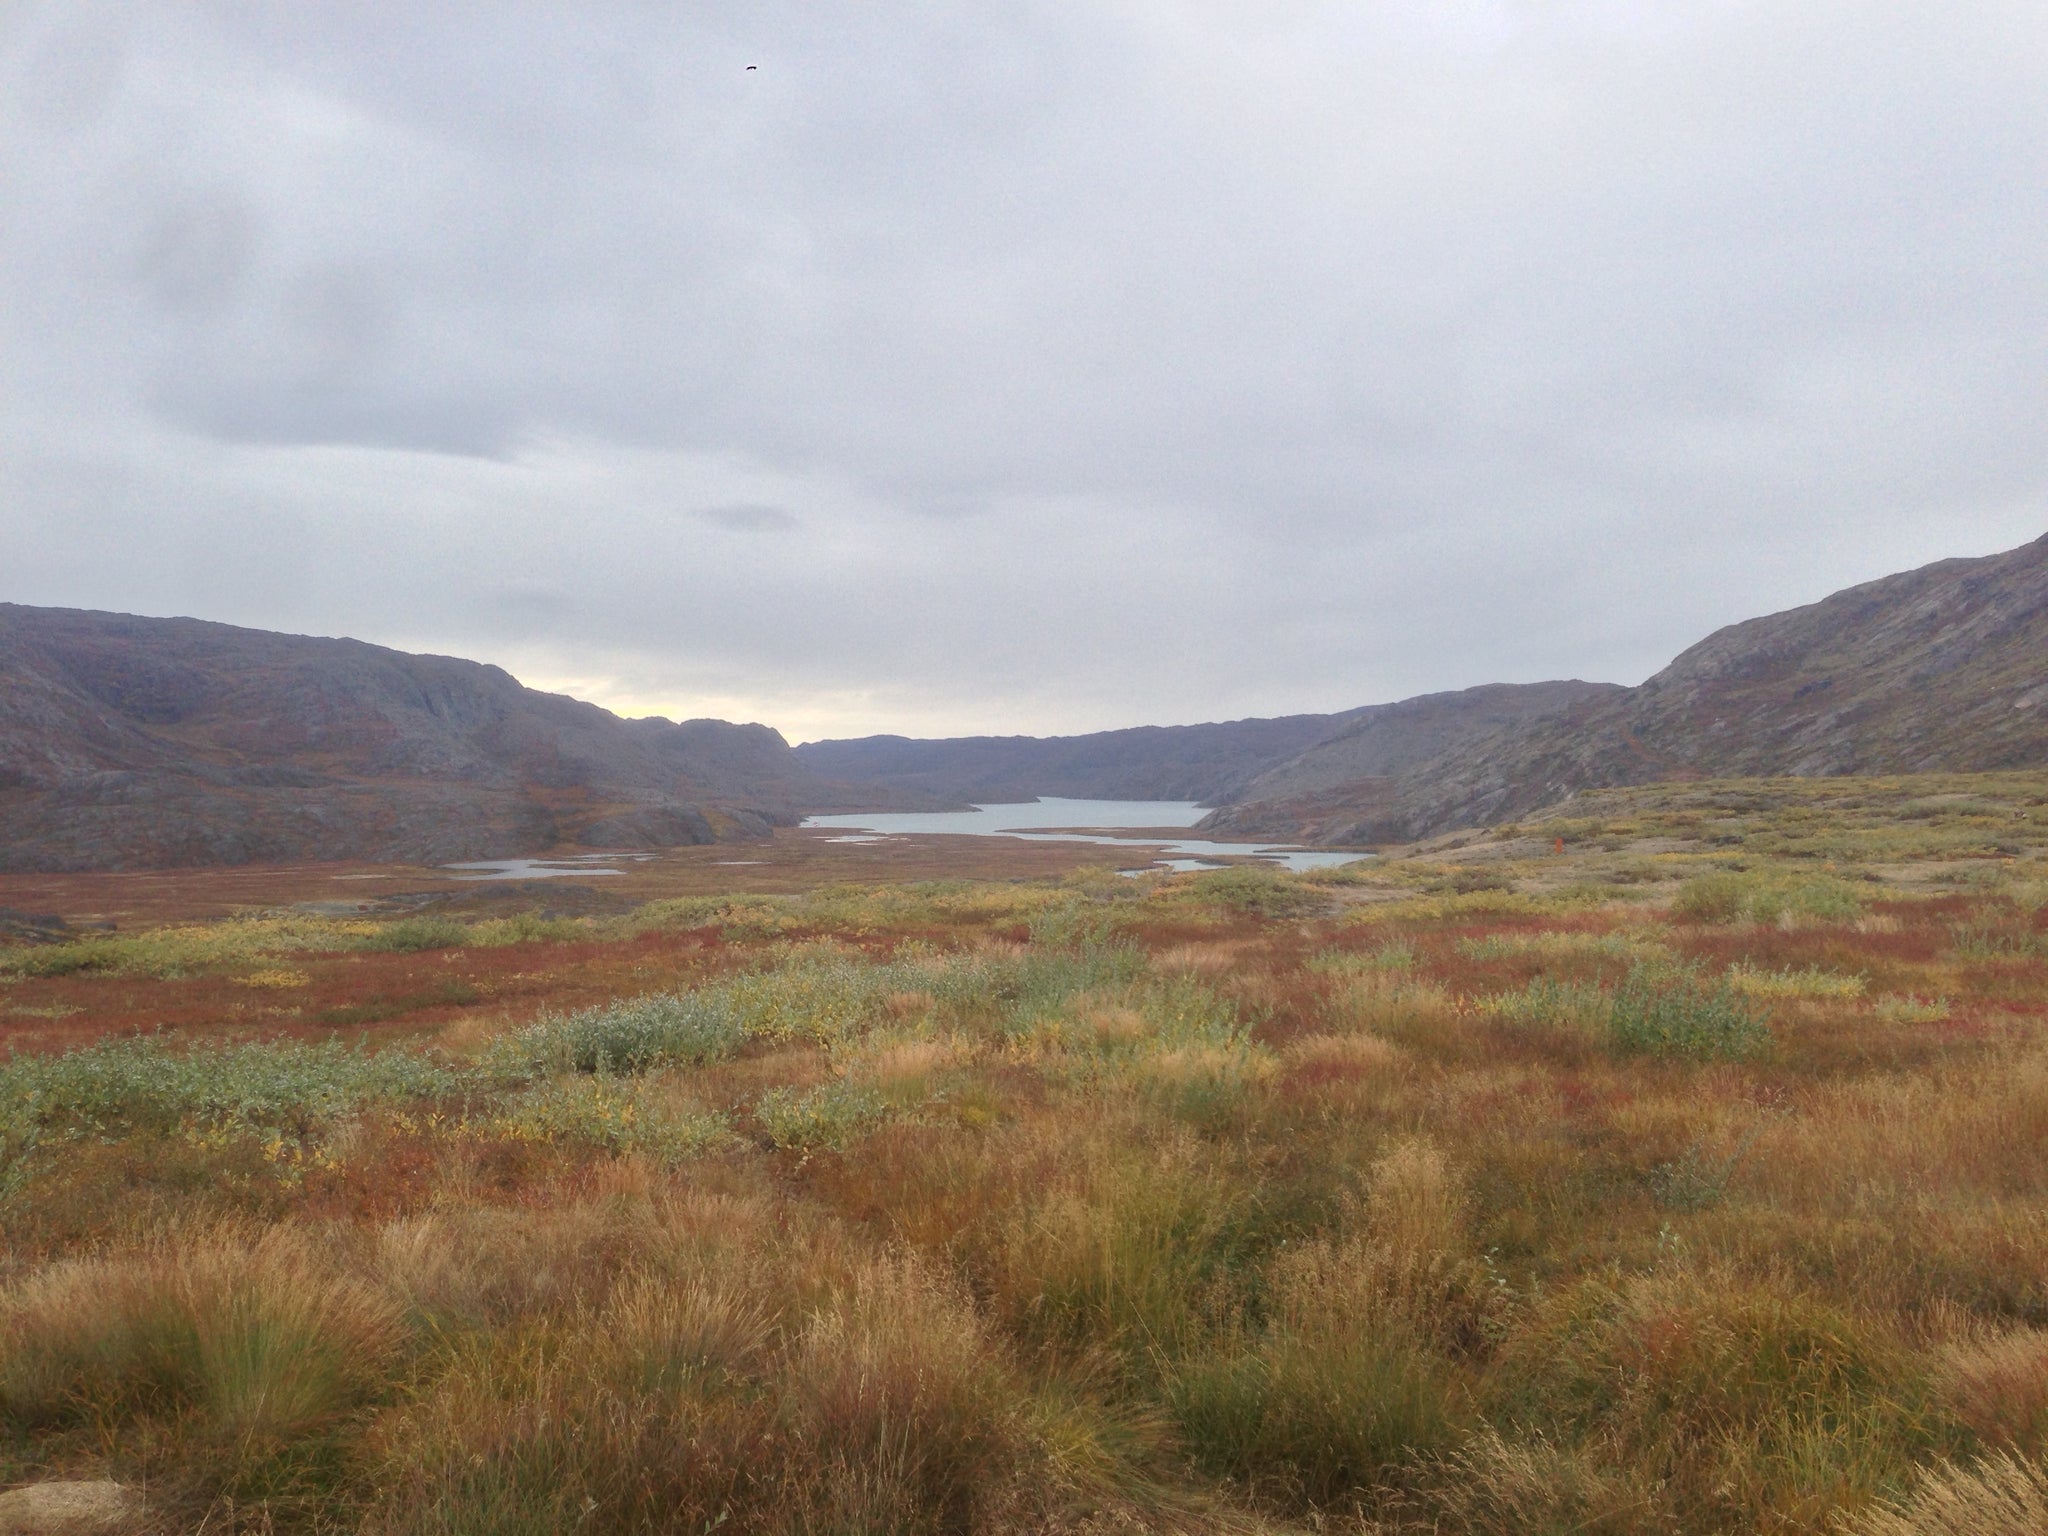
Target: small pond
column 1142, row 826
column 577, row 864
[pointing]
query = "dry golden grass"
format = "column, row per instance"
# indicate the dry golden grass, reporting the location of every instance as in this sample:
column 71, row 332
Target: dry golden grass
column 2001, row 1495
column 1997, row 1384
column 1344, row 1055
column 1415, row 1206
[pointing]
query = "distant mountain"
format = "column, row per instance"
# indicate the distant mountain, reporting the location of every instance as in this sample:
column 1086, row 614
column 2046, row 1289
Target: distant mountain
column 142, row 743
column 1939, row 669
column 1212, row 764
column 1208, row 763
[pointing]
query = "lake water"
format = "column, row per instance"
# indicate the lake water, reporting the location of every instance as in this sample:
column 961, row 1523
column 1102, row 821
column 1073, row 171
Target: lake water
column 1051, row 820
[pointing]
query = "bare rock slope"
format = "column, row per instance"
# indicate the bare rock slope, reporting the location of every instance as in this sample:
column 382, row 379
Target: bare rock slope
column 137, row 743
column 1939, row 669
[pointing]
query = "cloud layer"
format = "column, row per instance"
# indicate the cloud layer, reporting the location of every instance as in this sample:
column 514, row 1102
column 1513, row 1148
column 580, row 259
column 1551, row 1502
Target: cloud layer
column 1031, row 368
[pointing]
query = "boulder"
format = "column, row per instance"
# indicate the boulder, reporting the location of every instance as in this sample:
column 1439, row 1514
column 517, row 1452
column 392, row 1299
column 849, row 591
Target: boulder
column 69, row 1508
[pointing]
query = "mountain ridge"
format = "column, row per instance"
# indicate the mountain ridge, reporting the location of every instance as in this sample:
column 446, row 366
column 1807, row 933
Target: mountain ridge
column 1211, row 764
column 131, row 742
column 1205, row 763
column 1940, row 668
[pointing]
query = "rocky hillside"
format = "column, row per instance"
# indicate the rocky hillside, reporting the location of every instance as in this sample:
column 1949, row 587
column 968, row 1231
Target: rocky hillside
column 1940, row 669
column 137, row 743
column 1387, row 740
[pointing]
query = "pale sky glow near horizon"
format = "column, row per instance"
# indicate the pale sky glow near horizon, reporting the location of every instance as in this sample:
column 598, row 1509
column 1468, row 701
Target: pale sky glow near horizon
column 1027, row 369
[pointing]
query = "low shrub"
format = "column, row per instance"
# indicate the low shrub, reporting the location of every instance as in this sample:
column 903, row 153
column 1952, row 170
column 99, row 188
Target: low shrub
column 1467, row 880
column 1912, row 1010
column 181, row 950
column 1074, row 923
column 633, row 1035
column 1351, row 962
column 1810, row 982
column 282, row 1083
column 819, row 992
column 1571, row 1012
column 617, row 1114
column 1259, row 891
column 828, row 1116
column 1553, row 946
column 1043, row 982
column 1997, row 934
column 1711, row 899
column 1729, row 897
column 1669, row 1011
column 411, row 935
column 816, row 993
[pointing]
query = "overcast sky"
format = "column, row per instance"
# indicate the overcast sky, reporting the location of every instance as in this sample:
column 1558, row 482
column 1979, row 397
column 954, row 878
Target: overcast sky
column 1030, row 366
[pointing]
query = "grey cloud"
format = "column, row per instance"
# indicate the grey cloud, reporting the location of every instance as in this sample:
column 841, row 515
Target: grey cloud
column 1163, row 361
column 751, row 519
column 196, row 253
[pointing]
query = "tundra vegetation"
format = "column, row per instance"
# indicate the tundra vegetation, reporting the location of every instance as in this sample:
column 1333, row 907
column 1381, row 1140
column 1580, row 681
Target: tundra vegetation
column 1690, row 1179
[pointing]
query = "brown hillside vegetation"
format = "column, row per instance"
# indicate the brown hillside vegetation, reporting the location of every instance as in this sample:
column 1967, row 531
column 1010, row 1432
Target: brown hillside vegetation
column 1687, row 1180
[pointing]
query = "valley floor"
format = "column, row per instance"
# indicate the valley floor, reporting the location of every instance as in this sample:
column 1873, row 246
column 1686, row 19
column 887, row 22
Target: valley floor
column 1672, row 1162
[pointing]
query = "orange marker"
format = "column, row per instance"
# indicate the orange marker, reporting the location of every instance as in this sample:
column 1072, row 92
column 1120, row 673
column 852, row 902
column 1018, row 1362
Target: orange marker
column 1560, row 845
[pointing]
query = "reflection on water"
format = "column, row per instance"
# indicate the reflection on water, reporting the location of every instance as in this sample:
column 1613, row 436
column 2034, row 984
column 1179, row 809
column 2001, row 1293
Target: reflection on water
column 1090, row 821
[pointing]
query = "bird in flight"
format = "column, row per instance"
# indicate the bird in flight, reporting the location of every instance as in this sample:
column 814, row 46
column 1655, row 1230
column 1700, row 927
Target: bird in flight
column 753, row 66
